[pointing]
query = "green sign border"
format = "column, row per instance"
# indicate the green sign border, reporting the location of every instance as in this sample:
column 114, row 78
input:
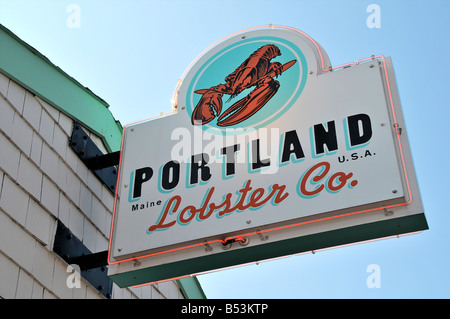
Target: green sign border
column 343, row 236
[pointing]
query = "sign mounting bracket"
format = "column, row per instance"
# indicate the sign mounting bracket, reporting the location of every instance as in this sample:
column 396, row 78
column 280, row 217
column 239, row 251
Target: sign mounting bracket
column 102, row 165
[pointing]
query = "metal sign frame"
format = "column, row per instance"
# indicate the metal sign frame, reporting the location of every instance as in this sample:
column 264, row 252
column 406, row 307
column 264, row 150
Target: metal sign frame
column 399, row 213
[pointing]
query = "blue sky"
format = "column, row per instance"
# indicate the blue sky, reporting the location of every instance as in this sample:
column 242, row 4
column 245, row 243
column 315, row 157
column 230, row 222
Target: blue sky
column 132, row 53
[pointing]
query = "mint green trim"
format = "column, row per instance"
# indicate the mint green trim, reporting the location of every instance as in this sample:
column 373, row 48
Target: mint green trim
column 355, row 234
column 191, row 288
column 26, row 66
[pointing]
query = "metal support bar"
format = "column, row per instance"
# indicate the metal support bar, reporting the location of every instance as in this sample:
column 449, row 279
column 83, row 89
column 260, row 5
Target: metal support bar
column 102, row 165
column 93, row 266
column 103, row 161
column 90, row 261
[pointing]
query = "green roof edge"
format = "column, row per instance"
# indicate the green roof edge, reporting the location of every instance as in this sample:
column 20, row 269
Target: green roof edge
column 191, row 288
column 28, row 67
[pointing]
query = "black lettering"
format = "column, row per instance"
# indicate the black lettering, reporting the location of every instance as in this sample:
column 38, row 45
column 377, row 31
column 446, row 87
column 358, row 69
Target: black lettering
column 256, row 160
column 141, row 176
column 229, row 151
column 357, row 136
column 291, row 145
column 199, row 164
column 325, row 136
column 170, row 175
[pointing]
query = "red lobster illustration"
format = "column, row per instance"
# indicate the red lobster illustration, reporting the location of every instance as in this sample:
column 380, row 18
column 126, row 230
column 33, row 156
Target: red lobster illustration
column 256, row 70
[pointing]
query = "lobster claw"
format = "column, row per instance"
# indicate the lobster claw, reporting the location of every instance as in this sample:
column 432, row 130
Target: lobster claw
column 266, row 88
column 248, row 106
column 211, row 99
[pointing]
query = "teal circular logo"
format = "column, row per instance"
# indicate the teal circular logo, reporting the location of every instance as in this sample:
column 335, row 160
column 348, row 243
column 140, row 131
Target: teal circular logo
column 247, row 84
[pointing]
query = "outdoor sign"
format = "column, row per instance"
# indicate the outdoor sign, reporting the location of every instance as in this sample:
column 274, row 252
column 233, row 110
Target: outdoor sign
column 270, row 152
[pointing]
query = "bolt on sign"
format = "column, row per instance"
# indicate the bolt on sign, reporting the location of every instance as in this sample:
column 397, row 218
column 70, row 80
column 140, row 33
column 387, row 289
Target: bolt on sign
column 269, row 152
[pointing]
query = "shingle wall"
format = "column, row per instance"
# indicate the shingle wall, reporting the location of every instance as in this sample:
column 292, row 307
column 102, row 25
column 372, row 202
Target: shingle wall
column 42, row 180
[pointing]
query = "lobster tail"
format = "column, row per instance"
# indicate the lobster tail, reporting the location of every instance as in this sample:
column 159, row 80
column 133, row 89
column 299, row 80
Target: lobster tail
column 269, row 51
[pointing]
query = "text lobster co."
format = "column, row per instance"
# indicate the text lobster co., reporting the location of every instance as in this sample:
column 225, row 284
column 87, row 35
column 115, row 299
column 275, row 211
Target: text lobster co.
column 252, row 198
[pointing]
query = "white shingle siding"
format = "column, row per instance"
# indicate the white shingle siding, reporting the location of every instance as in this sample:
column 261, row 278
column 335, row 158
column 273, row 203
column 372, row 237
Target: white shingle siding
column 42, row 180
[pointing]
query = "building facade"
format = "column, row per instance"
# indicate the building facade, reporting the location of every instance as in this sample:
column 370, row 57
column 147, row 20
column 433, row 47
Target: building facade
column 45, row 186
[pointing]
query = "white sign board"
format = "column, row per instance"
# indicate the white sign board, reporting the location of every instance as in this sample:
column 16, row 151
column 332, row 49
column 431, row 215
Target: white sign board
column 265, row 139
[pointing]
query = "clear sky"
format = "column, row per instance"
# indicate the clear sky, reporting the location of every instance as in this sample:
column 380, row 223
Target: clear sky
column 132, row 53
